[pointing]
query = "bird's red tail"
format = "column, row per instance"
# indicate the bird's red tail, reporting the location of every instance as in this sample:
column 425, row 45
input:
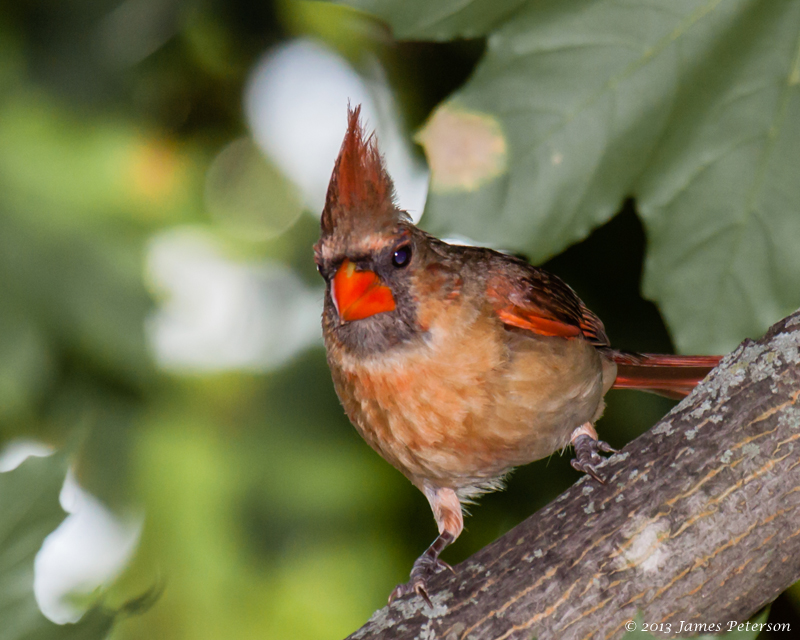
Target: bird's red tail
column 670, row 376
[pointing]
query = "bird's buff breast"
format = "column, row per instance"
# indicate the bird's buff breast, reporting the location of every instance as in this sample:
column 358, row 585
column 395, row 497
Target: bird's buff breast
column 462, row 408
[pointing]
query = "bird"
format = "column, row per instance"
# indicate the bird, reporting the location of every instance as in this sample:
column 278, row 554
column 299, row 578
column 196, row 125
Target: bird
column 459, row 363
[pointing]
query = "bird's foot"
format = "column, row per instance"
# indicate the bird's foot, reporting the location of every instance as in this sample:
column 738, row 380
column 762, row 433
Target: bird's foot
column 425, row 567
column 587, row 451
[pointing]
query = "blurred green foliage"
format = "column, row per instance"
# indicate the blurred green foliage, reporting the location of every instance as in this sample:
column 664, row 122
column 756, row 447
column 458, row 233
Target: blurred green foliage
column 266, row 516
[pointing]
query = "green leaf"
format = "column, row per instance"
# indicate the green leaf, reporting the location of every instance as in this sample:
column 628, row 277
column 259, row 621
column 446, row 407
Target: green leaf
column 29, row 511
column 691, row 106
column 442, row 20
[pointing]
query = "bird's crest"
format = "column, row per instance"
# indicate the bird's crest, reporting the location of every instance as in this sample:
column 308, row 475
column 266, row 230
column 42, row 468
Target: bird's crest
column 360, row 195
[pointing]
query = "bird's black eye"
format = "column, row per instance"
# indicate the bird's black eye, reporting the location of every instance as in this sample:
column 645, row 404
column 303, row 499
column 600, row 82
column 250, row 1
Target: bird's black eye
column 402, row 256
column 323, row 272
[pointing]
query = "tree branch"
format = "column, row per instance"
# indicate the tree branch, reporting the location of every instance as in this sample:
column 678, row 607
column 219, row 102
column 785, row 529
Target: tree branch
column 699, row 521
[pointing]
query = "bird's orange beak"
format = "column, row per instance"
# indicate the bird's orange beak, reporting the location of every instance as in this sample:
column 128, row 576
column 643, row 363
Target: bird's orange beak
column 359, row 294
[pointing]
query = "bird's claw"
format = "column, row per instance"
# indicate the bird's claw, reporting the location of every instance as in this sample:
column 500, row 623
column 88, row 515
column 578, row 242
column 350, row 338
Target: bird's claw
column 423, row 570
column 587, row 455
column 418, row 586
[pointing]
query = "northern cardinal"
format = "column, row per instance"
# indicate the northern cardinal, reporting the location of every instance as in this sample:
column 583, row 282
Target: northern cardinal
column 455, row 363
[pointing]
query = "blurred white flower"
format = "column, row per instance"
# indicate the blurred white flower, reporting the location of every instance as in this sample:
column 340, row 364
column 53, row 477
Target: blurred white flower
column 87, row 551
column 296, row 103
column 218, row 314
column 17, row 451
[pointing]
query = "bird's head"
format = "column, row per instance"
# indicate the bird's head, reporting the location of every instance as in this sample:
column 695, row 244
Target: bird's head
column 367, row 249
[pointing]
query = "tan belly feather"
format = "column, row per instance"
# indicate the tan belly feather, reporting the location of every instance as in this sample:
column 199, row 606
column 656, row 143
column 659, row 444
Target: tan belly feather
column 464, row 407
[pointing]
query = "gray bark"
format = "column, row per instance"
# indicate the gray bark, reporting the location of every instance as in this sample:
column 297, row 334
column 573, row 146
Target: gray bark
column 699, row 522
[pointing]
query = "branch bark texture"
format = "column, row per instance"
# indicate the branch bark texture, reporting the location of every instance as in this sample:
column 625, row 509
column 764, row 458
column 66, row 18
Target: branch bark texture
column 699, row 522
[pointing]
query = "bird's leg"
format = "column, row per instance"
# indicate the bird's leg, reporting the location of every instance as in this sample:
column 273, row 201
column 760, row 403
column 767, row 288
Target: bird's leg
column 425, row 567
column 447, row 511
column 587, row 447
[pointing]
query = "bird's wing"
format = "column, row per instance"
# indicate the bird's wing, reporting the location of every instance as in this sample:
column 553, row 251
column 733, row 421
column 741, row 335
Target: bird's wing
column 529, row 298
column 532, row 299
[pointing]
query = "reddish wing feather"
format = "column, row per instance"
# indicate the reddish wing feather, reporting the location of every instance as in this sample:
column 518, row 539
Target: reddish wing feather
column 530, row 321
column 532, row 299
column 592, row 327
